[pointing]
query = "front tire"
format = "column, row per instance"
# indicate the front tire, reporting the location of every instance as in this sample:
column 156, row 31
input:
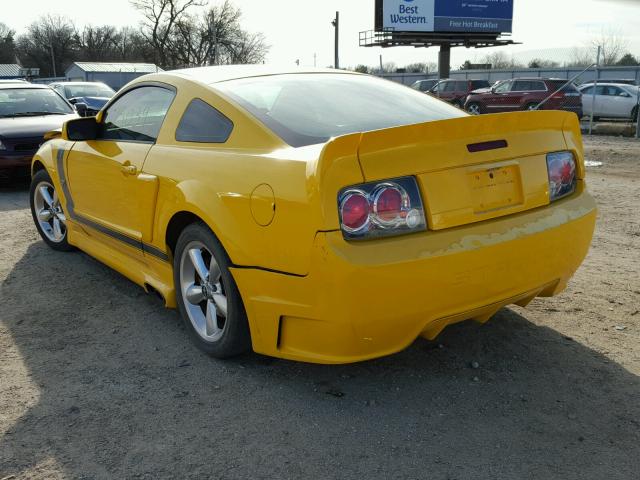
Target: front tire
column 634, row 114
column 47, row 212
column 530, row 107
column 207, row 295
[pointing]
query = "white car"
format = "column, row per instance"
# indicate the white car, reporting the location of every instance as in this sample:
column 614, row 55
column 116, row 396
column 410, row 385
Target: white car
column 613, row 100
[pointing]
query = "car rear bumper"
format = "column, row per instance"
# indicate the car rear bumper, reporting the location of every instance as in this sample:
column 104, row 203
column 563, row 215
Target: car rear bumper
column 370, row 299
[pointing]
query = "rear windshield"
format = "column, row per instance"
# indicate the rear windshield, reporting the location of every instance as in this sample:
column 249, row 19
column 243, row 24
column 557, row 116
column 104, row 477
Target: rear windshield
column 88, row 90
column 475, row 84
column 24, row 102
column 306, row 109
column 556, row 84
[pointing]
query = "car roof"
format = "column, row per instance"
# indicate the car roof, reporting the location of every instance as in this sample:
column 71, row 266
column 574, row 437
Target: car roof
column 609, row 84
column 13, row 86
column 223, row 73
column 78, row 83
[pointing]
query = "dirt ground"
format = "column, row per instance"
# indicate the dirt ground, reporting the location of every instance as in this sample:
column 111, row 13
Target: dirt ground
column 99, row 381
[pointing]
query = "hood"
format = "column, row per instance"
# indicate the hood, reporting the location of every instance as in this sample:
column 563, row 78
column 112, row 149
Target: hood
column 481, row 90
column 94, row 103
column 25, row 127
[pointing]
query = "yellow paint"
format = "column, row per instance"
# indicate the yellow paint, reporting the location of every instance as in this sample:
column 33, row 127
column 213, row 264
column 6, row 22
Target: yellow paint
column 274, row 209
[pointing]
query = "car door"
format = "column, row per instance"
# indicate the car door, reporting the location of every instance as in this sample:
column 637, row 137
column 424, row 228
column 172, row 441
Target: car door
column 499, row 99
column 620, row 103
column 108, row 189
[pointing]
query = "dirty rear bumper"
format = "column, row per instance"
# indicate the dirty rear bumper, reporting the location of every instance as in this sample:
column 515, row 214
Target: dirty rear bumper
column 370, row 299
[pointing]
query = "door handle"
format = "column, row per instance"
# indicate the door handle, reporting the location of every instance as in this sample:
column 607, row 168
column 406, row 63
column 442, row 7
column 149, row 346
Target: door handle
column 129, row 169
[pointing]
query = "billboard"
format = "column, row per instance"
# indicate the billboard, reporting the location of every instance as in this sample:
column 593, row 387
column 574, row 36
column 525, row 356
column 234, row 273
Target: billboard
column 472, row 16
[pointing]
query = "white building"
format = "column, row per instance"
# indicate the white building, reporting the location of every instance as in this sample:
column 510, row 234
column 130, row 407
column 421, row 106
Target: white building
column 116, row 75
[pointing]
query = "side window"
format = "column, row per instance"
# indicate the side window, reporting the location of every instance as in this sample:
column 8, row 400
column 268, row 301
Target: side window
column 450, row 87
column 503, row 87
column 203, row 124
column 137, row 115
column 462, row 86
column 538, row 86
column 587, row 91
column 521, row 86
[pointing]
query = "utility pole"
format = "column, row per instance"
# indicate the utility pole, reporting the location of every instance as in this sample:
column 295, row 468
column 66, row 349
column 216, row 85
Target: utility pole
column 381, row 67
column 637, row 119
column 53, row 60
column 315, row 60
column 336, row 25
column 595, row 87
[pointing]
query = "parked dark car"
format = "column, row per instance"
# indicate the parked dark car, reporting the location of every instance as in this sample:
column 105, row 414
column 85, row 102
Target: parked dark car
column 424, row 85
column 88, row 97
column 525, row 94
column 455, row 91
column 27, row 112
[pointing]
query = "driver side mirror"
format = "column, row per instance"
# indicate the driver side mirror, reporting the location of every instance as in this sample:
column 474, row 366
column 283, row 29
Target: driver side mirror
column 81, row 129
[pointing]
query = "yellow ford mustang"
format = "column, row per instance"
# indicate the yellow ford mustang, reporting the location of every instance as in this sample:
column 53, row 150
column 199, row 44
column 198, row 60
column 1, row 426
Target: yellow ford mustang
column 320, row 216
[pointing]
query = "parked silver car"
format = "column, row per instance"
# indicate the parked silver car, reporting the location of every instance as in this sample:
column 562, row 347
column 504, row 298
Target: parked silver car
column 612, row 100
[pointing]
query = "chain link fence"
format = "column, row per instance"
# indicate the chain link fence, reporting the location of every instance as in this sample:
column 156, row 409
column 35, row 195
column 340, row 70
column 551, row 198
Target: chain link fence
column 606, row 98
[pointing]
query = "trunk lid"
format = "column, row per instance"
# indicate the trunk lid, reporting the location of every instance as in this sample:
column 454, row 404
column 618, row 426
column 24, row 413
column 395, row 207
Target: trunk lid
column 472, row 168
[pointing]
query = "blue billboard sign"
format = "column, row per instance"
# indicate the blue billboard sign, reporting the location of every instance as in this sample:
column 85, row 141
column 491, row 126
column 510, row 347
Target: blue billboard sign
column 469, row 16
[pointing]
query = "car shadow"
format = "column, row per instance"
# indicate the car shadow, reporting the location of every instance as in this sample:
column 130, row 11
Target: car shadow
column 14, row 194
column 110, row 387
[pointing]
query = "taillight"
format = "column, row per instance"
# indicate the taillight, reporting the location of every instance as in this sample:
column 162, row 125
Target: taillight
column 381, row 209
column 562, row 174
column 355, row 211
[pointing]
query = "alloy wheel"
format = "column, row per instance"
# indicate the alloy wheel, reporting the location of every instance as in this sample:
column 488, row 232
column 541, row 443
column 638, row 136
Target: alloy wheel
column 474, row 109
column 49, row 213
column 203, row 291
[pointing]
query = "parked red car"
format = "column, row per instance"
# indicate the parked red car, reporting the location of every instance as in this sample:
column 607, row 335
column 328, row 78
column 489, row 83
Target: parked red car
column 525, row 94
column 455, row 91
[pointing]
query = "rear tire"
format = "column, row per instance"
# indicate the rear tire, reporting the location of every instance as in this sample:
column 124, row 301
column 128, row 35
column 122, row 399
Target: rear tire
column 207, row 295
column 634, row 114
column 530, row 107
column 47, row 213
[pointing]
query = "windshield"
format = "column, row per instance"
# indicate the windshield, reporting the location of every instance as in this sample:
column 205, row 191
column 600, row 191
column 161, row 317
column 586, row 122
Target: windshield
column 306, row 109
column 97, row 90
column 15, row 102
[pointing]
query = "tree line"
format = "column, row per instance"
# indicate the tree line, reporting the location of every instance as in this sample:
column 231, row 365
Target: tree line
column 173, row 34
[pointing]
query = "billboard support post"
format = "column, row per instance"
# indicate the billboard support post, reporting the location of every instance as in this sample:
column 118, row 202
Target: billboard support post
column 444, row 61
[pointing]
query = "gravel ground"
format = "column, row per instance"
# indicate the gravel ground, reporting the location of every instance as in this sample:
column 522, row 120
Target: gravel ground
column 98, row 380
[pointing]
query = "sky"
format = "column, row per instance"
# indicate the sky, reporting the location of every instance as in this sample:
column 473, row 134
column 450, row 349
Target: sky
column 302, row 30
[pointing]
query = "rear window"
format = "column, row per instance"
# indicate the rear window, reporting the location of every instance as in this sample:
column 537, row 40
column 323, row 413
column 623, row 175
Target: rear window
column 476, row 84
column 556, row 84
column 528, row 86
column 202, row 123
column 306, row 109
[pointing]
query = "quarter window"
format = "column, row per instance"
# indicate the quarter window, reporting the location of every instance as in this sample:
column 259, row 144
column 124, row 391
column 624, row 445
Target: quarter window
column 137, row 115
column 203, row 124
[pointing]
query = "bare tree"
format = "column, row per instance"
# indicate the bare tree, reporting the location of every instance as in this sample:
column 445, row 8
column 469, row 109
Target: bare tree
column 161, row 17
column 612, row 46
column 501, row 61
column 216, row 37
column 98, row 44
column 7, row 45
column 49, row 43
